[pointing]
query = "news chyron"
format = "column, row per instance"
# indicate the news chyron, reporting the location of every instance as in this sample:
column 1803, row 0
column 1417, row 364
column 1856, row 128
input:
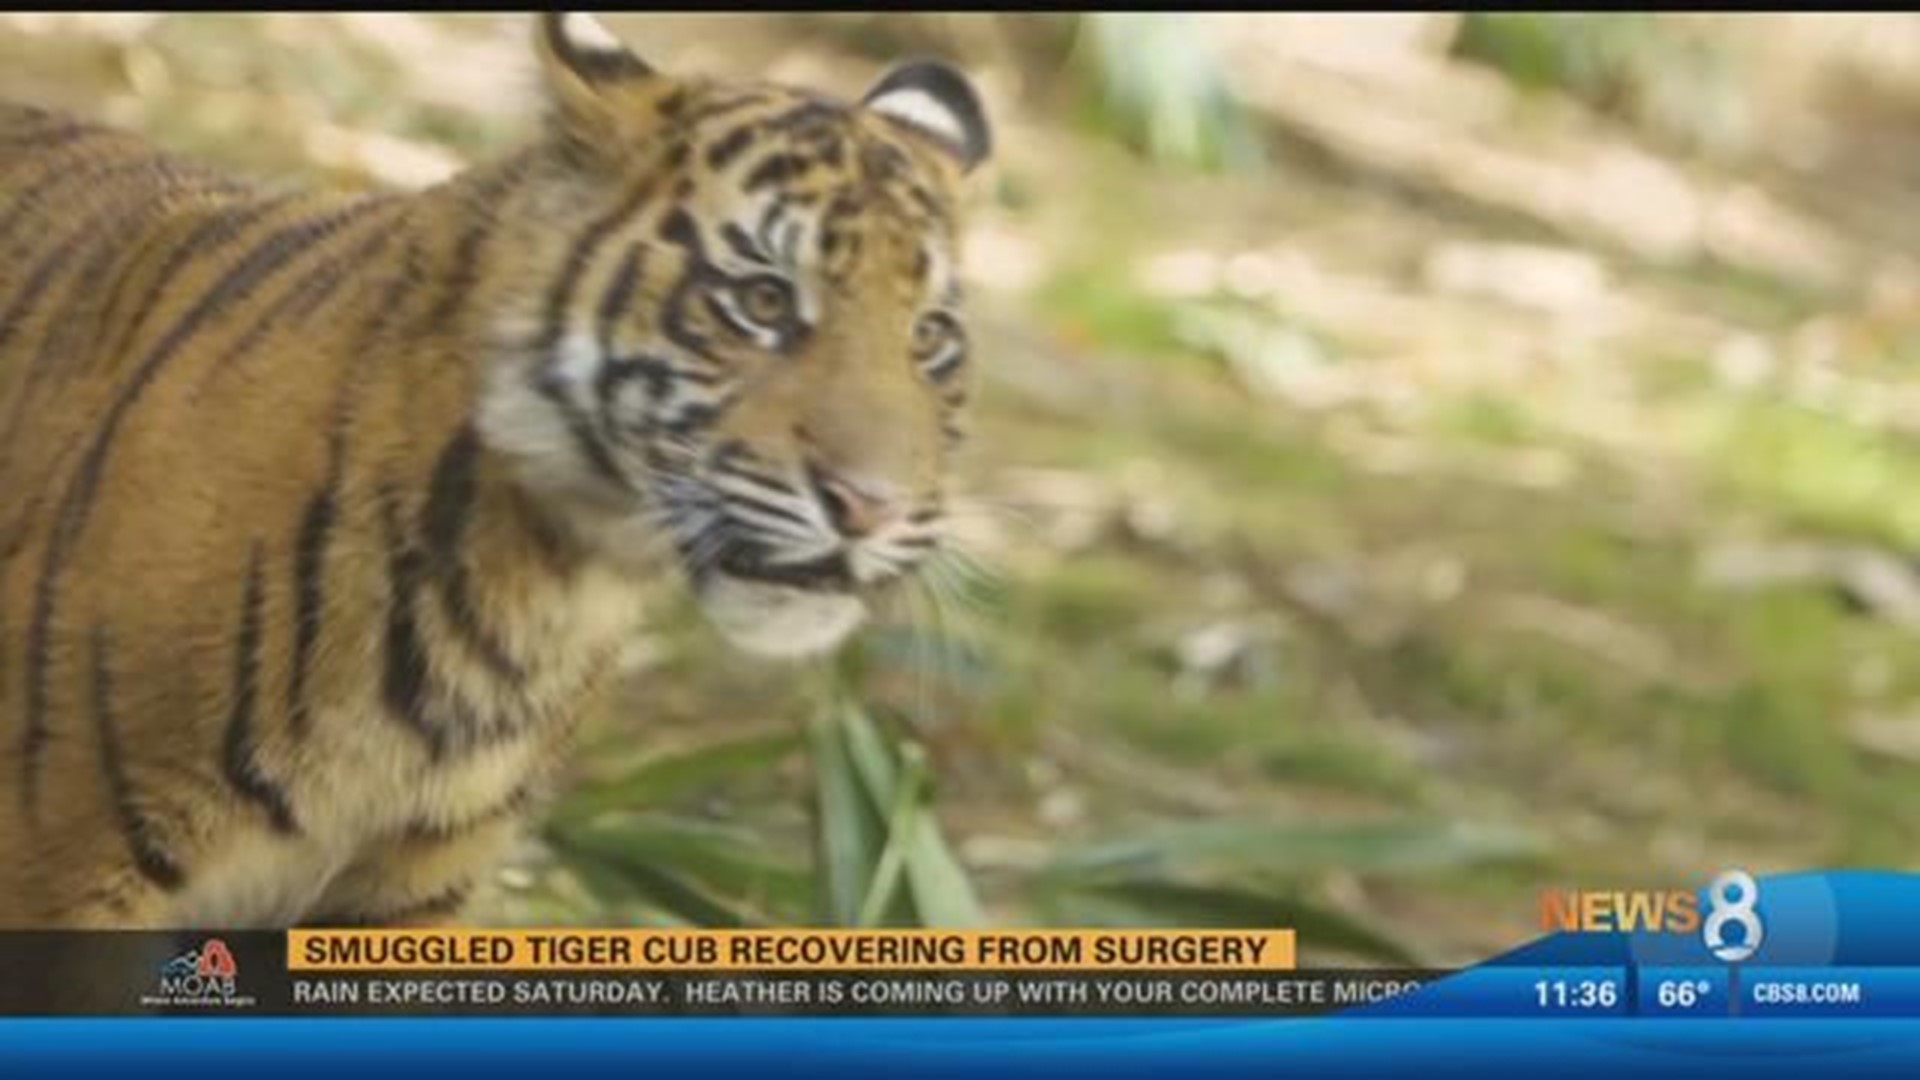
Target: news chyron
column 1732, row 945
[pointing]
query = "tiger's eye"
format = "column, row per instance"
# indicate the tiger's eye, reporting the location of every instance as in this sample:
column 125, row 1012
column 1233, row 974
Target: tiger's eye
column 767, row 301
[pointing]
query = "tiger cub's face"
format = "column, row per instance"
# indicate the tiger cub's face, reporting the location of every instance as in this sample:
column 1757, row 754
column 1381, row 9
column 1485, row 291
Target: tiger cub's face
column 751, row 342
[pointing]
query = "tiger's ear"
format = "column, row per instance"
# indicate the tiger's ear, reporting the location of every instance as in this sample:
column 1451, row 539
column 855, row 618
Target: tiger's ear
column 936, row 101
column 586, row 69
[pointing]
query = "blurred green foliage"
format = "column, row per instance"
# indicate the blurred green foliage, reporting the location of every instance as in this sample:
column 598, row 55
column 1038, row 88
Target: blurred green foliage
column 1156, row 82
column 1676, row 81
column 1599, row 56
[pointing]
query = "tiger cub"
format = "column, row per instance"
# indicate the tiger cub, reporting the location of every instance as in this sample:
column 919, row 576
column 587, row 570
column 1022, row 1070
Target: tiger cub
column 322, row 516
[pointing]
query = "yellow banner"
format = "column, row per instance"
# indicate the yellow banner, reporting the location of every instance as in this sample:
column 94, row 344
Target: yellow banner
column 789, row 950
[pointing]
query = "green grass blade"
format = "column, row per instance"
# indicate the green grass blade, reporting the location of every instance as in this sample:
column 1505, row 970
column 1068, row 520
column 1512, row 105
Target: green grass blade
column 847, row 831
column 657, row 779
column 873, row 760
column 902, row 825
column 943, row 893
column 734, row 862
column 619, row 886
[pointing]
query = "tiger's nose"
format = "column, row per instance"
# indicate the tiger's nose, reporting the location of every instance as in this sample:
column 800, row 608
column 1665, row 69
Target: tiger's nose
column 856, row 509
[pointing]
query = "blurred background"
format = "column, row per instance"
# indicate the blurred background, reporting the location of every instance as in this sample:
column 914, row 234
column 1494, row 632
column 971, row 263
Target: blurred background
column 1421, row 459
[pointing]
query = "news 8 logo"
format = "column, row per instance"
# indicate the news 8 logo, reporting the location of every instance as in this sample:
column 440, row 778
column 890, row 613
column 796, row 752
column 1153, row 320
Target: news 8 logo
column 1731, row 899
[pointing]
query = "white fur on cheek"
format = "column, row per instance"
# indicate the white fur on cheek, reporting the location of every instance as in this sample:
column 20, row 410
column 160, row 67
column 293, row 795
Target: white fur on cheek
column 779, row 621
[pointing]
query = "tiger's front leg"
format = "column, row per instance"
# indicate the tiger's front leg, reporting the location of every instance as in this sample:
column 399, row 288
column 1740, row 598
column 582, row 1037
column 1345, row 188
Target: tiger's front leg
column 421, row 877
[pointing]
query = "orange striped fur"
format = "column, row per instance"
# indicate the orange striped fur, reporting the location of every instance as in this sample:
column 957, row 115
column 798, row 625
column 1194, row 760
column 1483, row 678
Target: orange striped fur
column 323, row 517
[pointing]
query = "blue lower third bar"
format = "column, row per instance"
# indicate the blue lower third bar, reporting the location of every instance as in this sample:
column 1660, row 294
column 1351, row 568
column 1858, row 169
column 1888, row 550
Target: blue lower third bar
column 622, row 1048
column 1885, row 992
column 1496, row 991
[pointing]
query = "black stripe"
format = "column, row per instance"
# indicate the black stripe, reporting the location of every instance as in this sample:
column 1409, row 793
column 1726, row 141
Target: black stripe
column 709, row 110
column 574, row 267
column 280, row 253
column 662, row 374
column 309, row 592
column 307, row 292
column 27, row 201
column 322, row 512
column 729, row 462
column 240, row 752
column 728, row 457
column 613, row 374
column 679, row 228
column 619, row 296
column 38, row 281
column 76, row 504
column 750, row 502
column 404, row 681
column 676, row 159
column 777, row 169
column 743, row 244
column 31, row 493
column 149, row 857
column 449, row 503
column 559, row 298
column 695, row 418
column 923, row 200
column 463, row 274
column 327, row 279
column 219, row 229
column 96, row 232
column 394, row 292
column 731, row 465
column 579, row 426
column 731, row 145
column 101, row 318
column 723, row 314
column 100, row 176
column 832, row 151
column 33, row 738
column 816, row 112
column 946, row 362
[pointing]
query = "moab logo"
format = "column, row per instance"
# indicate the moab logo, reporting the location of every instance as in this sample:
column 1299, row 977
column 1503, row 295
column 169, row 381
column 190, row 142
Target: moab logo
column 204, row 976
column 1596, row 911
